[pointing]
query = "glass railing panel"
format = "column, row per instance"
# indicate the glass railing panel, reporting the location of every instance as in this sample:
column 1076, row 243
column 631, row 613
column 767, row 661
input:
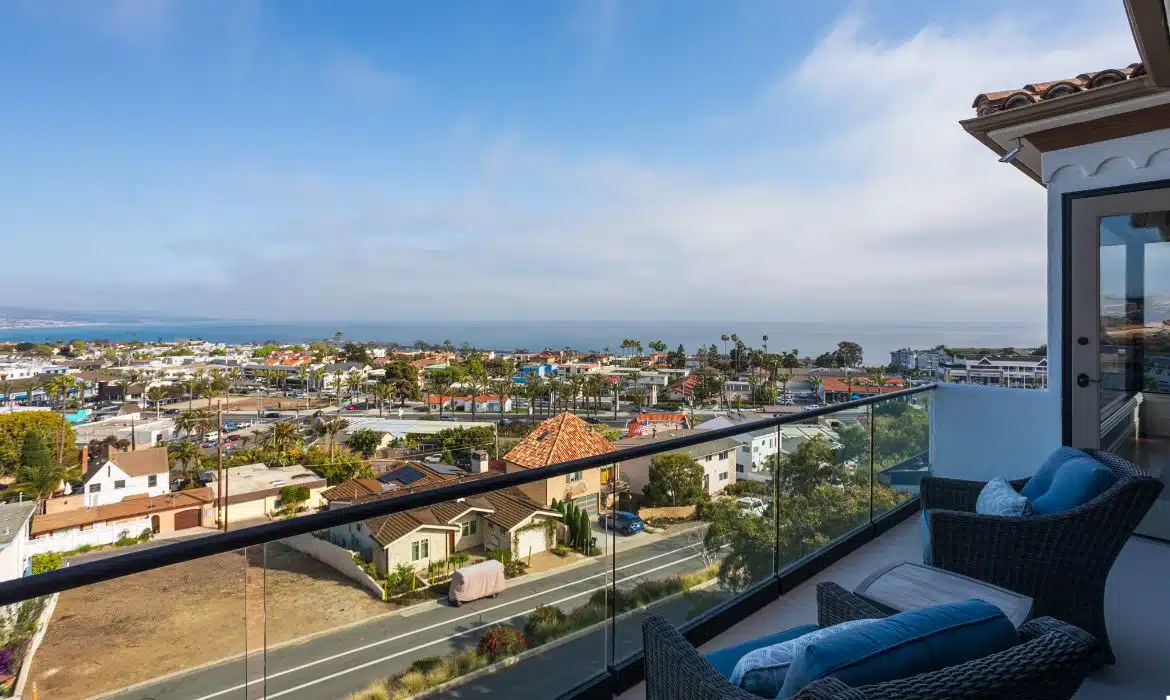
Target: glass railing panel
column 365, row 610
column 174, row 633
column 901, row 439
column 702, row 536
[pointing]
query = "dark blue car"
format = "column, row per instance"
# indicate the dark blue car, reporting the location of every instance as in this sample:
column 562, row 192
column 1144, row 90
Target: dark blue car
column 625, row 523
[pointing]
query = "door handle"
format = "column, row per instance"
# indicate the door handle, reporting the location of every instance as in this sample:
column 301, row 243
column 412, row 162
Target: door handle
column 1083, row 380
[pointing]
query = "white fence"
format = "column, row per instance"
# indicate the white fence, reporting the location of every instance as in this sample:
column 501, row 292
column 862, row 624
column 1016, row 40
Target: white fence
column 337, row 557
column 72, row 539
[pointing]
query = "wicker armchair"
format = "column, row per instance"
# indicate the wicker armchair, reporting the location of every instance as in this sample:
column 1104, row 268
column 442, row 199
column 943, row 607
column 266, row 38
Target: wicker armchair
column 1049, row 663
column 1061, row 560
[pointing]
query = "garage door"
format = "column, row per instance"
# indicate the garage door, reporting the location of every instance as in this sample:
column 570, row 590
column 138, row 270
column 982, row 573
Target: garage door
column 529, row 542
column 187, row 518
column 587, row 504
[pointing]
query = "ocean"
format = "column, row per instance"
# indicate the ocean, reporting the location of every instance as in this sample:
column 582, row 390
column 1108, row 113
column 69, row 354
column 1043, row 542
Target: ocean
column 810, row 338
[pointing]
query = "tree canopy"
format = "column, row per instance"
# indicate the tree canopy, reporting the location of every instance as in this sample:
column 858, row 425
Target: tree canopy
column 674, row 480
column 14, row 426
column 365, row 441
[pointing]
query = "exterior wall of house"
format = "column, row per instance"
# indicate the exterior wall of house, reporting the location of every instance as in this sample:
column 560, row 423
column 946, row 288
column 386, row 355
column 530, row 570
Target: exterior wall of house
column 543, row 492
column 64, row 503
column 398, row 552
column 470, row 541
column 496, row 537
column 74, row 537
column 718, row 470
column 529, row 542
column 14, row 555
column 106, row 479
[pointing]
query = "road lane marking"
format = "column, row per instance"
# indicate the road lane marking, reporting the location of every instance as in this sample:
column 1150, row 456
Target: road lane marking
column 478, row 613
column 477, row 628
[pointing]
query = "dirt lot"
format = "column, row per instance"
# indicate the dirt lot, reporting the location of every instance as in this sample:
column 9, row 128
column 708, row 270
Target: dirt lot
column 161, row 621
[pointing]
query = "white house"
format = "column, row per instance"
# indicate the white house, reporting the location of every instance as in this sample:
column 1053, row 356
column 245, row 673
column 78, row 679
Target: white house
column 717, row 458
column 754, row 447
column 127, row 474
column 14, row 519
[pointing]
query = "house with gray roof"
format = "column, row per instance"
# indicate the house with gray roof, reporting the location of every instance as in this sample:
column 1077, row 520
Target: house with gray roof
column 717, row 457
column 14, row 520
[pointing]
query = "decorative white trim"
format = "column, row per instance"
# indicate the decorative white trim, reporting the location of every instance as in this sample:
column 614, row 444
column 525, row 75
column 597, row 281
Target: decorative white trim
column 1107, row 160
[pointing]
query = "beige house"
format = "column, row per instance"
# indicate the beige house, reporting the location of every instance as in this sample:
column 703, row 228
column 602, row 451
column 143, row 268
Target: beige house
column 560, row 439
column 717, row 457
column 496, row 520
column 253, row 490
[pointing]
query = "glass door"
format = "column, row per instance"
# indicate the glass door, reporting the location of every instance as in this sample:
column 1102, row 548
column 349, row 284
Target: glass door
column 1120, row 316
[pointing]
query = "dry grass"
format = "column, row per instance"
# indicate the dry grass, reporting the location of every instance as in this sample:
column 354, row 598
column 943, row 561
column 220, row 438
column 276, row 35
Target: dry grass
column 113, row 634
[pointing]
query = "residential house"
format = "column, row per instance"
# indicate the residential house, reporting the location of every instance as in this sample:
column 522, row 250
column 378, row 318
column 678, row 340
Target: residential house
column 653, row 423
column 253, row 491
column 559, row 439
column 793, row 436
column 904, row 359
column 14, row 522
column 137, row 473
column 755, row 447
column 717, row 457
column 103, row 524
column 929, row 360
column 843, row 388
column 483, row 403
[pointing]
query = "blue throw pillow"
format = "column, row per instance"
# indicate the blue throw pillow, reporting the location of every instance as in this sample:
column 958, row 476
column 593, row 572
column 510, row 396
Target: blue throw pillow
column 904, row 645
column 762, row 671
column 1076, row 482
column 924, row 529
column 724, row 660
column 999, row 498
column 1040, row 482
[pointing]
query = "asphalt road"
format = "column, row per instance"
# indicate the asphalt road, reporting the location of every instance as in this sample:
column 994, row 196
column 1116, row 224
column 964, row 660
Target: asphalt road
column 336, row 664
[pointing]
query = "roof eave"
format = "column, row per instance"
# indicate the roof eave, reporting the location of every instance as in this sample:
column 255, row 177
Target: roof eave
column 981, row 127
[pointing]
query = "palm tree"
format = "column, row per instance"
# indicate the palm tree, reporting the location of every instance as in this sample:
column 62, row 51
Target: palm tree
column 474, row 385
column 754, row 387
column 194, row 421
column 784, row 379
column 123, row 383
column 535, row 389
column 331, row 429
column 879, row 379
column 156, row 394
column 816, row 381
column 383, row 391
column 338, row 381
column 41, row 481
column 502, row 388
column 185, row 454
column 443, row 386
column 355, row 381
column 594, row 387
column 318, row 374
column 281, row 437
column 60, row 385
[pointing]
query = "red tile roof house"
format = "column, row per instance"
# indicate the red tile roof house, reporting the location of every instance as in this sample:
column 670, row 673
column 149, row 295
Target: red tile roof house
column 483, row 402
column 561, row 439
column 495, row 520
column 841, row 388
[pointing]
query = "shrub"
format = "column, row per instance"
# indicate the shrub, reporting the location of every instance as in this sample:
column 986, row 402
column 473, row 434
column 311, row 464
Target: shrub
column 500, row 642
column 560, row 550
column 503, row 556
column 514, row 568
column 546, row 622
column 292, row 495
column 49, row 561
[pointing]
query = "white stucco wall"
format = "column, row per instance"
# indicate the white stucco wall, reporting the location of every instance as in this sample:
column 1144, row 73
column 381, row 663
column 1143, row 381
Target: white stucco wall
column 979, row 432
column 13, row 556
column 135, row 485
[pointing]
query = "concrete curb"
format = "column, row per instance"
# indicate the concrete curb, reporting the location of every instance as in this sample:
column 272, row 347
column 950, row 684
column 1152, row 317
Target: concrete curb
column 26, row 664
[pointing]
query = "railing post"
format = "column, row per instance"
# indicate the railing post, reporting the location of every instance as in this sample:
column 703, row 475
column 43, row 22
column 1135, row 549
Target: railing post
column 872, row 452
column 775, row 505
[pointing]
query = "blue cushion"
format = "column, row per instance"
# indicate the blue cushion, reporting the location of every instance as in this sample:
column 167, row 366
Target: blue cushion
column 1040, row 482
column 999, row 498
column 904, row 645
column 924, row 528
column 724, row 660
column 762, row 671
column 1077, row 481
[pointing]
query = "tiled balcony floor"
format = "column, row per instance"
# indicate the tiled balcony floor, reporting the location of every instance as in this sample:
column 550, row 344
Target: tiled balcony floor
column 1137, row 607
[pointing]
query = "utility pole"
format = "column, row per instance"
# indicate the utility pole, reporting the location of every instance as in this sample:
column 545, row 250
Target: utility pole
column 219, row 482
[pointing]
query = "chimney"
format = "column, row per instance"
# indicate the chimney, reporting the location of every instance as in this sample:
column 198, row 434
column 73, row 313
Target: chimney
column 480, row 462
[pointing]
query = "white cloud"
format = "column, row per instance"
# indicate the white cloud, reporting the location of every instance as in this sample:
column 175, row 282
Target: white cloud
column 359, row 77
column 886, row 210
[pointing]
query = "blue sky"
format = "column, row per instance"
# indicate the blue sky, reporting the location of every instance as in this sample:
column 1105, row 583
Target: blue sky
column 538, row 160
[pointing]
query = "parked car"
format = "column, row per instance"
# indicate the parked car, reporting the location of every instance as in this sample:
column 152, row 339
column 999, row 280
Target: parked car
column 448, row 417
column 172, row 411
column 623, row 522
column 482, row 580
column 433, row 459
column 272, row 414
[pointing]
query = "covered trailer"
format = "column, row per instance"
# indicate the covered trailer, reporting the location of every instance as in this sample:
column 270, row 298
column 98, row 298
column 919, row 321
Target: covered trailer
column 477, row 581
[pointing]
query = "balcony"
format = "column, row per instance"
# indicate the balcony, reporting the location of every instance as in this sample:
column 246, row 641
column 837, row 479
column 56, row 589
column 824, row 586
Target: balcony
column 274, row 611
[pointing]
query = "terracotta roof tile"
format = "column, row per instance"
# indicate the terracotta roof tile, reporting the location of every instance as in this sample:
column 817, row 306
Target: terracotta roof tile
column 123, row 510
column 861, row 385
column 558, row 439
column 991, row 102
